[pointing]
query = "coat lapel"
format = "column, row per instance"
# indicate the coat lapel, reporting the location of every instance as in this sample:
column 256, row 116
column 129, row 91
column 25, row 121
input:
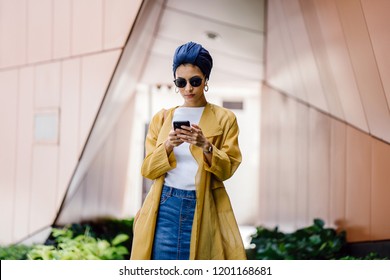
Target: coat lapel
column 210, row 127
column 208, row 122
column 166, row 127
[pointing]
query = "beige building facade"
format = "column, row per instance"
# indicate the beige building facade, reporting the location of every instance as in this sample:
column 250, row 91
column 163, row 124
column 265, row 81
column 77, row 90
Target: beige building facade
column 79, row 80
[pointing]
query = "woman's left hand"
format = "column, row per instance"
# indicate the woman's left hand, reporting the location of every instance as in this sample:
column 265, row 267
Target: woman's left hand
column 192, row 135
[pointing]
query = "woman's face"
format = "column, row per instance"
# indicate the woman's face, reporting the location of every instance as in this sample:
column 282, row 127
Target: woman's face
column 193, row 95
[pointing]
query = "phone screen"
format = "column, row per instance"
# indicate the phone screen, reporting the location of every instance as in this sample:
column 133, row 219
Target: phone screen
column 178, row 124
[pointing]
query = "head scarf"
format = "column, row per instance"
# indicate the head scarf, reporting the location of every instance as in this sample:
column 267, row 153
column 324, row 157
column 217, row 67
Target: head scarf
column 193, row 53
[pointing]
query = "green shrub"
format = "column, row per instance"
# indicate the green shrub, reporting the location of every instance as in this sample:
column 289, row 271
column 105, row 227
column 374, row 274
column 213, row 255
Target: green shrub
column 81, row 247
column 107, row 239
column 14, row 252
column 309, row 243
column 103, row 228
column 370, row 256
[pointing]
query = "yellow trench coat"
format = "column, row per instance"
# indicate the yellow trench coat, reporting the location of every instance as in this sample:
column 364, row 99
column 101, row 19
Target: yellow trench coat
column 215, row 234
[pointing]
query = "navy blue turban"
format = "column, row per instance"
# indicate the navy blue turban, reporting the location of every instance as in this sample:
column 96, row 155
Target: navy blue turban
column 195, row 54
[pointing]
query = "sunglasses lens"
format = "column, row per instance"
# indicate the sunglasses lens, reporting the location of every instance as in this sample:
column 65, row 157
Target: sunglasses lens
column 195, row 81
column 180, row 82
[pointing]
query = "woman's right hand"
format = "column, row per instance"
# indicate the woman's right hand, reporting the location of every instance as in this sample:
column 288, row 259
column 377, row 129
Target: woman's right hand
column 172, row 141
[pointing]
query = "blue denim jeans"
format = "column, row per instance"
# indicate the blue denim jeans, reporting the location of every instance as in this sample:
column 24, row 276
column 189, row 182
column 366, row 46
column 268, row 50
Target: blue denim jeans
column 172, row 236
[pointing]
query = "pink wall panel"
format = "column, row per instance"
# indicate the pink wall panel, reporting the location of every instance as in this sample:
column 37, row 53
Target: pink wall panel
column 87, row 22
column 101, row 192
column 358, row 185
column 39, row 30
column 12, row 33
column 291, row 64
column 341, row 172
column 337, row 174
column 266, row 153
column 93, row 188
column 380, row 206
column 318, row 43
column 24, row 153
column 109, row 201
column 328, row 171
column 33, row 176
column 121, row 160
column 304, row 55
column 62, row 11
column 319, row 165
column 376, row 14
column 118, row 20
column 302, row 166
column 278, row 66
column 74, row 208
column 8, row 136
column 69, row 123
column 287, row 165
column 47, row 85
column 44, row 187
column 269, row 193
column 340, row 66
column 96, row 74
column 365, row 67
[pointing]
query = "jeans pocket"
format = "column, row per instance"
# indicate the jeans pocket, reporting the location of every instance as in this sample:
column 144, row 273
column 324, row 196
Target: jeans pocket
column 164, row 197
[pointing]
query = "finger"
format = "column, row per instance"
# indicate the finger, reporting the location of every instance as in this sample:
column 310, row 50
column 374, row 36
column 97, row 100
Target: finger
column 177, row 141
column 185, row 138
column 173, row 137
column 196, row 128
column 185, row 132
column 186, row 128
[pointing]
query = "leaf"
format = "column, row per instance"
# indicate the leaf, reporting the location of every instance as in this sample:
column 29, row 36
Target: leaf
column 315, row 239
column 119, row 239
column 318, row 222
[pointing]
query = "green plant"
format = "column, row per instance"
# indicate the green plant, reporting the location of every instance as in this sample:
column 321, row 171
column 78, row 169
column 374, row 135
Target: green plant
column 370, row 256
column 98, row 239
column 81, row 247
column 103, row 228
column 313, row 242
column 14, row 252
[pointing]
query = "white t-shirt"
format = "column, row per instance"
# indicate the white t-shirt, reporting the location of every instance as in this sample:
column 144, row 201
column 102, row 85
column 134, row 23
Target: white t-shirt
column 183, row 176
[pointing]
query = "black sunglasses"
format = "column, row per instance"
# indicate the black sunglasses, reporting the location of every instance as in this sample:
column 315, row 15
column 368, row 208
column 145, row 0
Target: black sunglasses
column 194, row 81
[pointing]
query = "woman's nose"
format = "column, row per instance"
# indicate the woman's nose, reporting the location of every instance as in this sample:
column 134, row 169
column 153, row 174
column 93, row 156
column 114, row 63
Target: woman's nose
column 188, row 87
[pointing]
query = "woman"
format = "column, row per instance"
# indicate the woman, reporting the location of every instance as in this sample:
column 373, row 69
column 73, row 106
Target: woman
column 187, row 213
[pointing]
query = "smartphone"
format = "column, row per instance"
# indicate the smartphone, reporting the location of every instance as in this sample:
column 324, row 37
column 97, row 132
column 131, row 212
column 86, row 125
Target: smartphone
column 178, row 124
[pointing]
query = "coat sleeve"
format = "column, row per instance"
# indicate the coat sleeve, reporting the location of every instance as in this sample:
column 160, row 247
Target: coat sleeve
column 225, row 161
column 156, row 162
